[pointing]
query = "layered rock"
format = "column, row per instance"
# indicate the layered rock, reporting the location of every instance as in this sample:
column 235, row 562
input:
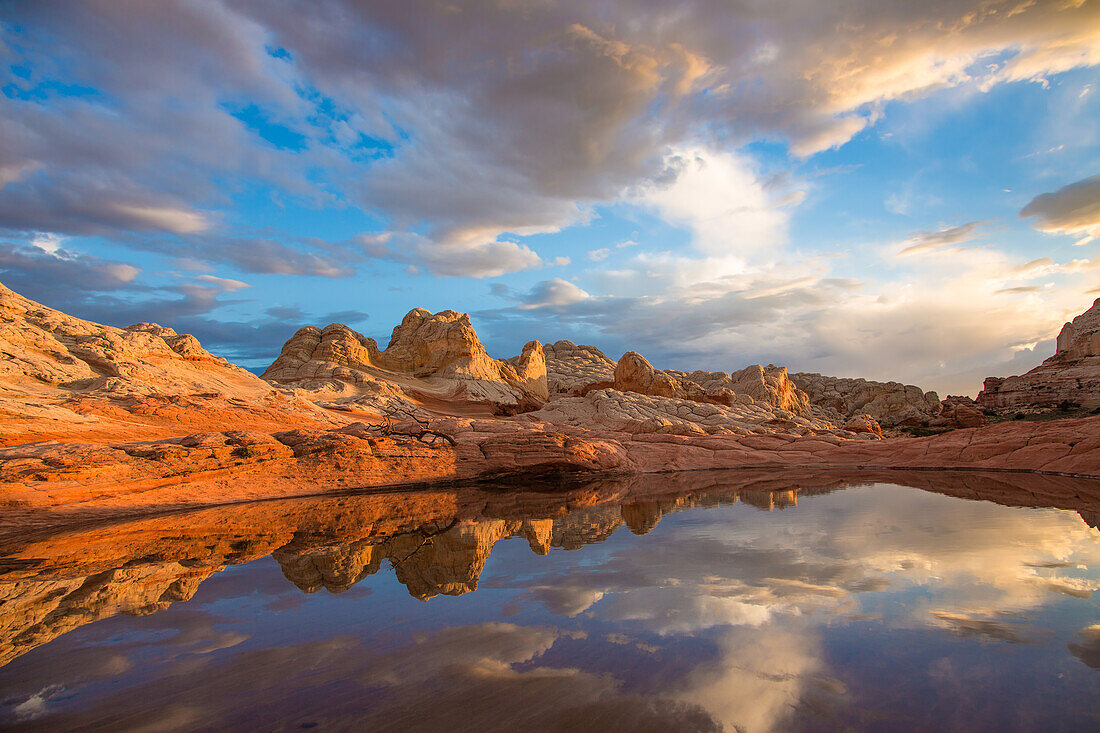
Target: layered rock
column 306, row 437
column 755, row 384
column 574, row 370
column 634, row 413
column 441, row 349
column 65, row 377
column 1071, row 377
column 959, row 411
column 44, row 348
column 889, row 403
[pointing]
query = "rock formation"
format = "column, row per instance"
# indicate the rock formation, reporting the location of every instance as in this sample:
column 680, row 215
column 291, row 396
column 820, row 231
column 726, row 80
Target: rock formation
column 610, row 409
column 44, row 348
column 438, row 354
column 634, row 374
column 1071, row 376
column 863, row 423
column 889, row 403
column 63, row 377
column 574, row 371
column 105, row 423
column 959, row 411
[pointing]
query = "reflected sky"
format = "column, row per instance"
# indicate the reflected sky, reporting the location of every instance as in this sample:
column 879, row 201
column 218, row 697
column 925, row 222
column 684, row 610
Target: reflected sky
column 873, row 607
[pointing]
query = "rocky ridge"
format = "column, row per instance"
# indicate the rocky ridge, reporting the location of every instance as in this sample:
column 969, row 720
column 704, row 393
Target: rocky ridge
column 64, row 377
column 1071, row 376
column 326, row 423
column 441, row 349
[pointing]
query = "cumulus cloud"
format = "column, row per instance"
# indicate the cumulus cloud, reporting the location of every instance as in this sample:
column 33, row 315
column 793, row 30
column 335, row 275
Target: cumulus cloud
column 550, row 293
column 1073, row 209
column 409, row 114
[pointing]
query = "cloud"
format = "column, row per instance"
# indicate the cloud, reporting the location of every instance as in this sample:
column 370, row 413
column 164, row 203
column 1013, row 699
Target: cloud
column 944, row 325
column 1073, row 209
column 476, row 258
column 44, row 267
column 924, row 242
column 179, row 221
column 720, row 199
column 553, row 293
column 458, row 141
column 227, row 285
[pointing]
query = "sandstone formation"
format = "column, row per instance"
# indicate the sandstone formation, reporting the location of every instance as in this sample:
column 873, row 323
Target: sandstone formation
column 622, row 412
column 889, row 403
column 575, row 370
column 1071, row 376
column 754, row 384
column 63, row 377
column 634, row 374
column 104, row 422
column 863, row 423
column 48, row 484
column 438, row 354
column 959, row 411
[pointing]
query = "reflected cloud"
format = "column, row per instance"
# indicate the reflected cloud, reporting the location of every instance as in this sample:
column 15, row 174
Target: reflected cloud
column 686, row 619
column 1088, row 650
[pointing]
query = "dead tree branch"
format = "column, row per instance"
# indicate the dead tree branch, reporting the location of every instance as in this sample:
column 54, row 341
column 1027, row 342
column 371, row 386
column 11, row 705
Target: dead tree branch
column 424, row 434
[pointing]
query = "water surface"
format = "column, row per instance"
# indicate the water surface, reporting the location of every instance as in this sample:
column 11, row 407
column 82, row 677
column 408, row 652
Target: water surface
column 692, row 602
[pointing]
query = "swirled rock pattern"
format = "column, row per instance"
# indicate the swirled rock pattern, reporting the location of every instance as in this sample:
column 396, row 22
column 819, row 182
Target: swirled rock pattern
column 440, row 348
column 103, row 422
column 64, row 377
column 574, row 370
column 610, row 409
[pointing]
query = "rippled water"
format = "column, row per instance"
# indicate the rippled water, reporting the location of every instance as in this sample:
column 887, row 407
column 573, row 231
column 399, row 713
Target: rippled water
column 759, row 603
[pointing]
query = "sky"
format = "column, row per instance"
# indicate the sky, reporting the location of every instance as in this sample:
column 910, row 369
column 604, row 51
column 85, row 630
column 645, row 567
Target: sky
column 877, row 188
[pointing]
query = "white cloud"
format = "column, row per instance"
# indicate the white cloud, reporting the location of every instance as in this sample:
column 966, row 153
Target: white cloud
column 223, row 283
column 471, row 258
column 47, row 242
column 938, row 240
column 552, row 293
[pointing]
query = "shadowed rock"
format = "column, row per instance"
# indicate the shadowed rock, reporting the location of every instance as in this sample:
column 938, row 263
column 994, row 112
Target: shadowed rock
column 1071, row 376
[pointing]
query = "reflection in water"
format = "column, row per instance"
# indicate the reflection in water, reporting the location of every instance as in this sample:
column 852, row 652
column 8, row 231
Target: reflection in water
column 860, row 604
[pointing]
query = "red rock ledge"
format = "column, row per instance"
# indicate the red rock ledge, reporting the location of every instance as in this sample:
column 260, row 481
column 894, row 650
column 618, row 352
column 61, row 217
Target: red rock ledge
column 233, row 466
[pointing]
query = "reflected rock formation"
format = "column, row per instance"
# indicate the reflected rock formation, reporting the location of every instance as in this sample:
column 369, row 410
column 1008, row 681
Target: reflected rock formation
column 436, row 541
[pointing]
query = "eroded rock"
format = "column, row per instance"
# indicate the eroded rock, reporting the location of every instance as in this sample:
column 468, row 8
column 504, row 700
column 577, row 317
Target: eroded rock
column 441, row 348
column 1069, row 378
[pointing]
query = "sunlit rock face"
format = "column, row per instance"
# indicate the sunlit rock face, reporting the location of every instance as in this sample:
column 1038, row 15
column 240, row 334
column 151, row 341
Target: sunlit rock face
column 589, row 390
column 1071, row 376
column 44, row 346
column 634, row 413
column 64, row 377
column 441, row 348
column 889, row 403
column 755, row 384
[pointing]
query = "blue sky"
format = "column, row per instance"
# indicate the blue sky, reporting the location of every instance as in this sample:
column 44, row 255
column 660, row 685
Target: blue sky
column 861, row 189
